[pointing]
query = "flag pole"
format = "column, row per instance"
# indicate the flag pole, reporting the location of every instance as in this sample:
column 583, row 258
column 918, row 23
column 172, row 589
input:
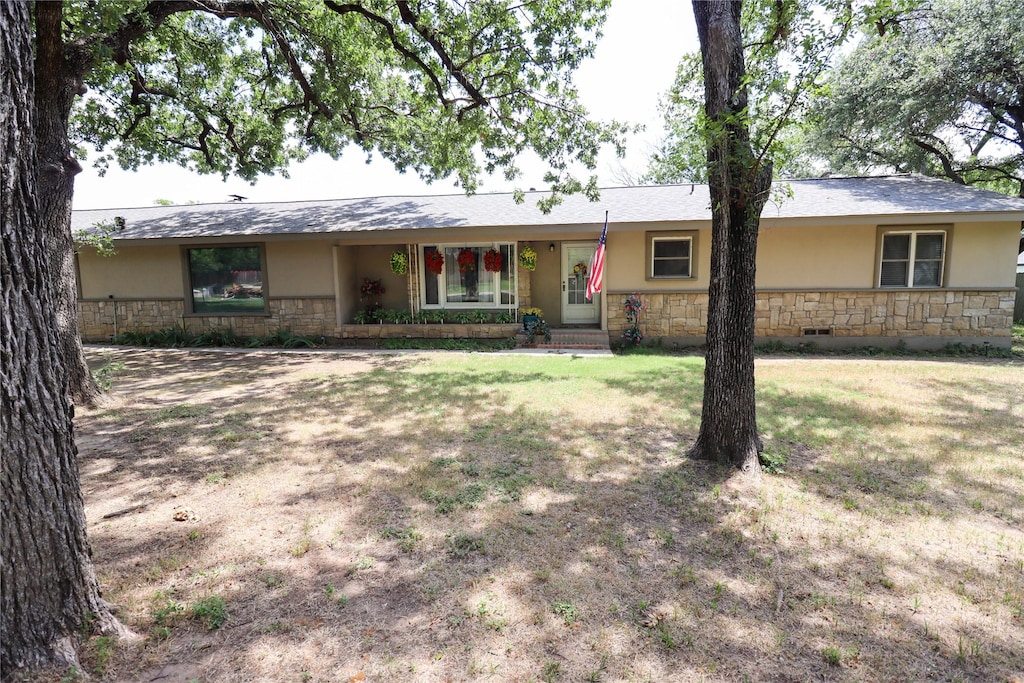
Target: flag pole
column 596, row 278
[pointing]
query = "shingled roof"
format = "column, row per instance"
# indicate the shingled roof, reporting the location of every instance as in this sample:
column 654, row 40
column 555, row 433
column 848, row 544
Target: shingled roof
column 854, row 198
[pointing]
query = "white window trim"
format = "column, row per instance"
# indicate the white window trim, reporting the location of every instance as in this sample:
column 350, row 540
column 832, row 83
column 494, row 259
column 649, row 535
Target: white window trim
column 442, row 292
column 689, row 261
column 912, row 258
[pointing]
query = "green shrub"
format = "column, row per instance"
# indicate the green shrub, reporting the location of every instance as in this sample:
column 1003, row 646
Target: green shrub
column 217, row 336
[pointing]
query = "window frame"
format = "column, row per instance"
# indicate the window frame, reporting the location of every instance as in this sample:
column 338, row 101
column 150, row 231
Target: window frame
column 884, row 231
column 186, row 266
column 442, row 285
column 651, row 237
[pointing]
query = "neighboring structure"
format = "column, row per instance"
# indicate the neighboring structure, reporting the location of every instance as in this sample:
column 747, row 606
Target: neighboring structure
column 855, row 261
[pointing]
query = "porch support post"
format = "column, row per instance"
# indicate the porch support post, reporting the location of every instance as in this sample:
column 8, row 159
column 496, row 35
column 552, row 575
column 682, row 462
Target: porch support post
column 336, row 253
column 412, row 278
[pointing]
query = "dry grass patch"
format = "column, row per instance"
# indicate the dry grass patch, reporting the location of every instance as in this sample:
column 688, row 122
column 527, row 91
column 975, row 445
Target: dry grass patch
column 478, row 517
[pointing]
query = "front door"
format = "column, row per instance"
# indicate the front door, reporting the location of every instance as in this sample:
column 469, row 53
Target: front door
column 576, row 310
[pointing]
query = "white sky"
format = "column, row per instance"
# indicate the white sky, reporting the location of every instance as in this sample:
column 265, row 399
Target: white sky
column 634, row 64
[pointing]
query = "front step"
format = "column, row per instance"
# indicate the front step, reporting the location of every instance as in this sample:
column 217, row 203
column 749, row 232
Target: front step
column 569, row 338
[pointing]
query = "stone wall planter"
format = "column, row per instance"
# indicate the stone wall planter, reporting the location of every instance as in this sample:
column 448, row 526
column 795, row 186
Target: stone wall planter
column 428, row 331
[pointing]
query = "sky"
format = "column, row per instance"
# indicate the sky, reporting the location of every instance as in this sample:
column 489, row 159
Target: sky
column 634, row 64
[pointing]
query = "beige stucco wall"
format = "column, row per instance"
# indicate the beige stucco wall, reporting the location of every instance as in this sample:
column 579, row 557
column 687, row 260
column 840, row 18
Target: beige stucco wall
column 546, row 281
column 348, row 290
column 133, row 272
column 374, row 262
column 297, row 269
column 833, row 256
column 836, row 256
column 983, row 254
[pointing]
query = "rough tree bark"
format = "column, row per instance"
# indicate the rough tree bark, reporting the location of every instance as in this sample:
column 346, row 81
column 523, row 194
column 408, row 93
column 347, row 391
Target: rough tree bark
column 740, row 186
column 60, row 68
column 50, row 590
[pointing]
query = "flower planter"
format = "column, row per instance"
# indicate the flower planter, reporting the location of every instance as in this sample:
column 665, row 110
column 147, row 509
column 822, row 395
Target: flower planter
column 530, row 320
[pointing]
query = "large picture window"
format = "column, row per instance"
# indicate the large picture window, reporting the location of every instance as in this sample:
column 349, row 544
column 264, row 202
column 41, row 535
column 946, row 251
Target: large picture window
column 226, row 280
column 464, row 280
column 912, row 259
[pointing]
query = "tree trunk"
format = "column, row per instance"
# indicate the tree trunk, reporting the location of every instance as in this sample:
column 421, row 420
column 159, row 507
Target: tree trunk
column 50, row 592
column 60, row 68
column 739, row 187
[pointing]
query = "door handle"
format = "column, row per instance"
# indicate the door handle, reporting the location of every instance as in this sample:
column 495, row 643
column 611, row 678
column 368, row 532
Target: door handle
column 565, row 284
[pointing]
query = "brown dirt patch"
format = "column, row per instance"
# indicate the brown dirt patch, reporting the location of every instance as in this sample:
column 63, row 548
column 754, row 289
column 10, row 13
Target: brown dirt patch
column 388, row 517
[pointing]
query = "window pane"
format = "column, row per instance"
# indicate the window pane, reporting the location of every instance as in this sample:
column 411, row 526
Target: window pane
column 672, row 268
column 226, row 280
column 894, row 274
column 929, row 247
column 473, row 284
column 508, row 295
column 896, row 247
column 671, row 248
column 429, row 280
column 926, row 274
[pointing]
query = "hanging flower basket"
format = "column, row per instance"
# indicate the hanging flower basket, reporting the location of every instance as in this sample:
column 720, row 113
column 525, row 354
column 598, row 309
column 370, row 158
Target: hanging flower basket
column 579, row 270
column 399, row 263
column 467, row 260
column 434, row 262
column 492, row 261
column 528, row 258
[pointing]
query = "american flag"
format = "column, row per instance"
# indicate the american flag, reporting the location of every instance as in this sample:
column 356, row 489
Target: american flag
column 596, row 278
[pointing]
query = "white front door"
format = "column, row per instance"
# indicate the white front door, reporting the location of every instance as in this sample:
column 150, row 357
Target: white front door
column 576, row 310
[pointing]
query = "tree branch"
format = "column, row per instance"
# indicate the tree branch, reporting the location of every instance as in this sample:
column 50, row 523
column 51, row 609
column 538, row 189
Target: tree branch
column 428, row 35
column 393, row 36
column 274, row 30
column 947, row 163
column 155, row 13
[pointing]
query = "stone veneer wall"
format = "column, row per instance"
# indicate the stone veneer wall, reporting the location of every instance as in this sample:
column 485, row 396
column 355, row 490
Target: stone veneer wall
column 311, row 316
column 902, row 313
column 429, row 331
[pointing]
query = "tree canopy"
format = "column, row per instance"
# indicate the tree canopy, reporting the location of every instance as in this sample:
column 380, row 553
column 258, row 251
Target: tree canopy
column 788, row 45
column 941, row 93
column 437, row 87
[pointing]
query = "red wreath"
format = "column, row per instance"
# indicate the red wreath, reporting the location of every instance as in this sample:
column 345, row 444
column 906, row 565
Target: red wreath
column 467, row 260
column 434, row 261
column 492, row 261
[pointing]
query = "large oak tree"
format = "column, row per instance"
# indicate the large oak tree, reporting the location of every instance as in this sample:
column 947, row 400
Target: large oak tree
column 49, row 587
column 439, row 87
column 936, row 90
column 740, row 134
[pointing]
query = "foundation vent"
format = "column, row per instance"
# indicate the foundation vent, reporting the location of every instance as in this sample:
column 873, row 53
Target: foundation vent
column 816, row 332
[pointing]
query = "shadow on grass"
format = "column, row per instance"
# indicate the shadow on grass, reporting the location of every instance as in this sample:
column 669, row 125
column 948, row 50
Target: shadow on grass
column 466, row 520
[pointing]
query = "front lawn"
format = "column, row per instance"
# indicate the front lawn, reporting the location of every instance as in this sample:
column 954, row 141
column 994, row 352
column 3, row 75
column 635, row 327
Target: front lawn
column 435, row 517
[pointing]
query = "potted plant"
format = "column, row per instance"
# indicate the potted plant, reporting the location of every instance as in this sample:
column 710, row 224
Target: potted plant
column 370, row 293
column 466, row 260
column 528, row 258
column 399, row 263
column 531, row 316
column 492, row 261
column 535, row 328
column 434, row 261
